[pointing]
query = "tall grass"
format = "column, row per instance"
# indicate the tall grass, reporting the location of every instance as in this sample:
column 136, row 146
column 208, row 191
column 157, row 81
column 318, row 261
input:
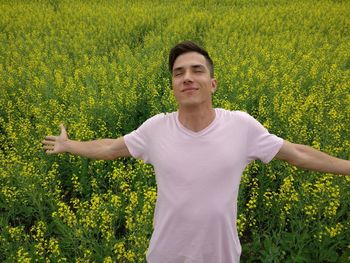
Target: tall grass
column 100, row 67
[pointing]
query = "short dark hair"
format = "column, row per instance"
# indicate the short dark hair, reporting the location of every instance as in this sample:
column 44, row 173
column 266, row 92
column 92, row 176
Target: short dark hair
column 189, row 46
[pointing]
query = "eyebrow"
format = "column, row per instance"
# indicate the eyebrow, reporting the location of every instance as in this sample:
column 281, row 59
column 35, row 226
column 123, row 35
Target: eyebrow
column 192, row 66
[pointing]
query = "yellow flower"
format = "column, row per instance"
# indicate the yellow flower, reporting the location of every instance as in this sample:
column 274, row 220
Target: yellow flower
column 241, row 224
column 108, row 260
column 23, row 256
column 334, row 230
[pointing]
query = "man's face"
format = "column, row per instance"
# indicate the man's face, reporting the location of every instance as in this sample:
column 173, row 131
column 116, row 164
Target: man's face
column 191, row 81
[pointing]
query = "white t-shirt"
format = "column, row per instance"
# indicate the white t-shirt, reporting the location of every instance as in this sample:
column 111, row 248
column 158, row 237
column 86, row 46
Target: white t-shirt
column 198, row 176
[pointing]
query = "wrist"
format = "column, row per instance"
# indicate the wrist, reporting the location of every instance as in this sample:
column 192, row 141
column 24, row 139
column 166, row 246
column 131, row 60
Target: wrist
column 347, row 172
column 343, row 167
column 66, row 146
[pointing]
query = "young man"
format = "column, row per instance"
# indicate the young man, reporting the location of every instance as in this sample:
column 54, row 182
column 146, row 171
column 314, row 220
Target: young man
column 199, row 154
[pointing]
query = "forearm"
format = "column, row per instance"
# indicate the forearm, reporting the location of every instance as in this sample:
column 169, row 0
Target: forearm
column 97, row 149
column 315, row 160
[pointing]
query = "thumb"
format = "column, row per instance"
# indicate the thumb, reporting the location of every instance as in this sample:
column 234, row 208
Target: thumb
column 63, row 130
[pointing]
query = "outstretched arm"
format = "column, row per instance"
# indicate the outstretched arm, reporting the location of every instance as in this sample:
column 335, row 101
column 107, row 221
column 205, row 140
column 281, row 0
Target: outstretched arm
column 307, row 157
column 103, row 149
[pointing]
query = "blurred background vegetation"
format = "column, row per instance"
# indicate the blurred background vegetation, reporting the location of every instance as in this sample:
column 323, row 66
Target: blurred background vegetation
column 100, row 67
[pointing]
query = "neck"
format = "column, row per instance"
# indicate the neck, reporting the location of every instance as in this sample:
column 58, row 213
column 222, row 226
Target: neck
column 196, row 118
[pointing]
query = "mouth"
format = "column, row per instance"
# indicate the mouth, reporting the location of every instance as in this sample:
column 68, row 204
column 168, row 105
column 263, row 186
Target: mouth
column 189, row 89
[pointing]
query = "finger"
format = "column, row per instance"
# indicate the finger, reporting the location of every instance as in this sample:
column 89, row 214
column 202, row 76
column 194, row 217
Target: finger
column 49, row 152
column 51, row 138
column 48, row 147
column 48, row 142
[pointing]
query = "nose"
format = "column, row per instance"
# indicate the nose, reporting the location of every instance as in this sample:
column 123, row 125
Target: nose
column 187, row 76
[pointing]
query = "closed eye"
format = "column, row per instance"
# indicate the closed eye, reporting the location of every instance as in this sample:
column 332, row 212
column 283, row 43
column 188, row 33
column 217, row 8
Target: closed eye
column 198, row 68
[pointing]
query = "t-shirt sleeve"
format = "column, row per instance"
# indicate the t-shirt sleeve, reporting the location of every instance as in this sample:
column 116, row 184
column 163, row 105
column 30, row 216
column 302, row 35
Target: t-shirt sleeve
column 261, row 144
column 139, row 140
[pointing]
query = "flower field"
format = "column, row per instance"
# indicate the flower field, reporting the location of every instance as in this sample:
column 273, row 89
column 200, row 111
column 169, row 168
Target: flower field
column 100, row 67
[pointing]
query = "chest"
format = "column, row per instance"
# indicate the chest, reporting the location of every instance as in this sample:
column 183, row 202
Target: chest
column 210, row 154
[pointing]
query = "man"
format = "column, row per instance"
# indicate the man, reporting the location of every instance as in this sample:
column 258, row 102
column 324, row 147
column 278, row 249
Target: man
column 199, row 154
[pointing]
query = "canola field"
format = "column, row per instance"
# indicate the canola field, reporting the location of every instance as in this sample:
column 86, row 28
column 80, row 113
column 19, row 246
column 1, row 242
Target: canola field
column 100, row 67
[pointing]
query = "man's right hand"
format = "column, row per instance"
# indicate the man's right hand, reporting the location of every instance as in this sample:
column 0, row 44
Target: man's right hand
column 101, row 149
column 56, row 144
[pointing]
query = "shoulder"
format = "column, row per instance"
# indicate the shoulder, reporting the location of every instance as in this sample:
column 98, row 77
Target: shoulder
column 234, row 114
column 157, row 119
column 239, row 118
column 161, row 117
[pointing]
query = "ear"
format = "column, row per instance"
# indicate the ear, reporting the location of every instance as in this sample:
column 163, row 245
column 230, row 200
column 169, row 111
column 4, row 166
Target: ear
column 213, row 85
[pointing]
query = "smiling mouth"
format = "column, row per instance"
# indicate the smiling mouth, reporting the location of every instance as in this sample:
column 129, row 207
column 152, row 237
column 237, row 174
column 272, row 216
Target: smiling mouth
column 189, row 89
